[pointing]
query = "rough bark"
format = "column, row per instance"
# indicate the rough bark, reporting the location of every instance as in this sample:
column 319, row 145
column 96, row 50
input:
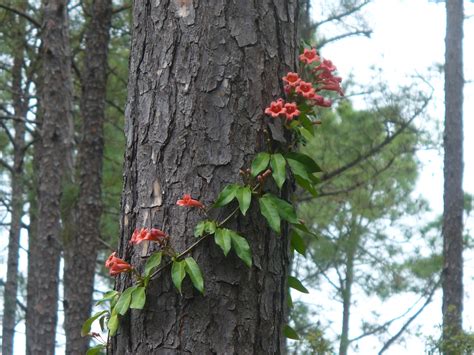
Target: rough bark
column 200, row 75
column 20, row 109
column 453, row 176
column 80, row 252
column 56, row 140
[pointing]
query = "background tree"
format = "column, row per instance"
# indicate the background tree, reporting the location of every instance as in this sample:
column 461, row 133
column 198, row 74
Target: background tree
column 80, row 250
column 197, row 89
column 453, row 175
column 18, row 92
column 56, row 141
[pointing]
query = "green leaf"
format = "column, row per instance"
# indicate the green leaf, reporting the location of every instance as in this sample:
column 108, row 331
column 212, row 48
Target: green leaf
column 124, row 301
column 210, row 227
column 278, row 165
column 223, row 239
column 138, row 298
column 86, row 327
column 290, row 333
column 308, row 186
column 205, row 226
column 307, row 124
column 199, row 229
column 299, row 170
column 95, row 350
column 270, row 211
column 102, row 323
column 178, row 272
column 113, row 324
column 107, row 297
column 297, row 243
column 293, row 282
column 260, row 163
column 308, row 162
column 153, row 261
column 192, row 268
column 244, row 196
column 226, row 195
column 285, row 210
column 289, row 300
column 242, row 248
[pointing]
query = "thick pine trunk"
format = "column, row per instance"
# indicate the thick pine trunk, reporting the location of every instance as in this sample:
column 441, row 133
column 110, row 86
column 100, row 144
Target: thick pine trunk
column 56, row 139
column 20, row 110
column 80, row 252
column 201, row 74
column 453, row 176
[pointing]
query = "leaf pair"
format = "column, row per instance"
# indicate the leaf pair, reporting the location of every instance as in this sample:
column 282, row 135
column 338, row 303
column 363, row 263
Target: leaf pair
column 275, row 209
column 303, row 167
column 180, row 268
column 277, row 163
column 227, row 238
column 242, row 193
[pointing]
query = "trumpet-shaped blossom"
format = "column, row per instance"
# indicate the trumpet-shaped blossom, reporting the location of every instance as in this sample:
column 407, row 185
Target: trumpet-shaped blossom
column 187, row 201
column 153, row 235
column 309, row 56
column 305, row 89
column 326, row 65
column 291, row 110
column 116, row 265
column 292, row 79
column 276, row 108
column 321, row 101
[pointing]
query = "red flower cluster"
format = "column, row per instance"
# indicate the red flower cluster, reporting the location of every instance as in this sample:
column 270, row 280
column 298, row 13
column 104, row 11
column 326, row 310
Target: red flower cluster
column 116, row 265
column 187, row 201
column 306, row 92
column 153, row 235
column 279, row 107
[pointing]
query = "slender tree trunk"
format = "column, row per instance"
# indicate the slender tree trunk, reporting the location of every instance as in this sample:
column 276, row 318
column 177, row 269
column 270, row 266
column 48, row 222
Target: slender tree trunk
column 347, row 292
column 201, row 74
column 81, row 252
column 56, row 140
column 20, row 110
column 453, row 176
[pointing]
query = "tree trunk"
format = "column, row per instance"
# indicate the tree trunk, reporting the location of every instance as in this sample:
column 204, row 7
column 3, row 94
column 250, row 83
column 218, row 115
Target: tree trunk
column 20, row 110
column 200, row 76
column 453, row 175
column 80, row 253
column 56, row 140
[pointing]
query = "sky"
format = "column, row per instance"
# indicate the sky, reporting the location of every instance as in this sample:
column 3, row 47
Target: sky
column 407, row 40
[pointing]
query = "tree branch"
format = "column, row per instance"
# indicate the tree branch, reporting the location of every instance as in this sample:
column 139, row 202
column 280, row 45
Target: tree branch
column 22, row 14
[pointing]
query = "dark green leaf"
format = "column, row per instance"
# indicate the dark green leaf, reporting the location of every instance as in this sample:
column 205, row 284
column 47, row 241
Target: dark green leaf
column 299, row 170
column 308, row 162
column 153, row 261
column 124, row 301
column 260, row 163
column 223, row 239
column 285, row 210
column 270, row 211
column 86, row 327
column 278, row 165
column 102, row 323
column 226, row 195
column 290, row 333
column 293, row 282
column 95, row 350
column 289, row 300
column 192, row 268
column 307, row 124
column 242, row 248
column 113, row 324
column 297, row 243
column 138, row 298
column 178, row 272
column 244, row 196
column 308, row 186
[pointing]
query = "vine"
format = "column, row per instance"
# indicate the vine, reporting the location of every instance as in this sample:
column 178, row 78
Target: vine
column 300, row 114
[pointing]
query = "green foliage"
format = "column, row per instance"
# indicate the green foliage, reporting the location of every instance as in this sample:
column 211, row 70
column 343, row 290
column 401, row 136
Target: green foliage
column 192, row 269
column 153, row 261
column 260, row 163
column 178, row 273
